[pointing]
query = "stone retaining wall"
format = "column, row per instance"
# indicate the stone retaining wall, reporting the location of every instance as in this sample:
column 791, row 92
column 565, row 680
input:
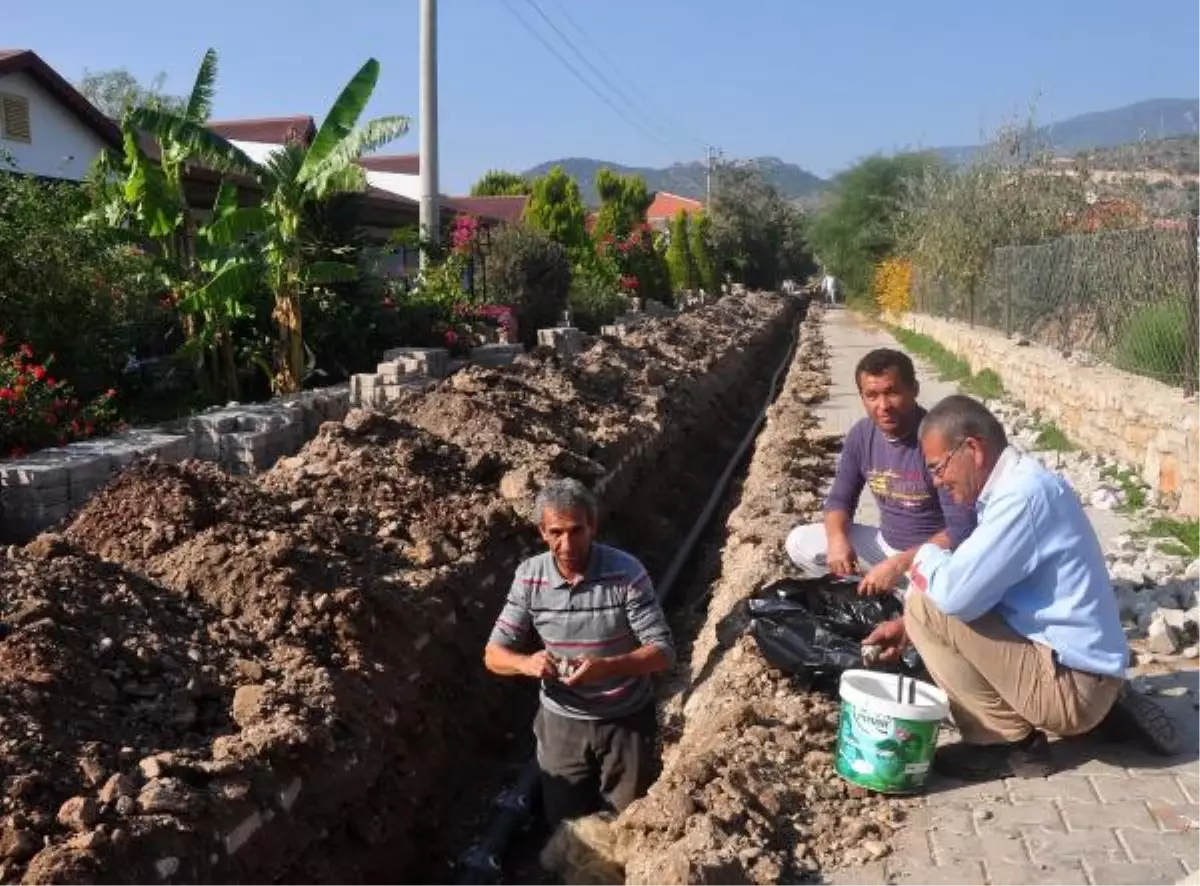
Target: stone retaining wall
column 1137, row 420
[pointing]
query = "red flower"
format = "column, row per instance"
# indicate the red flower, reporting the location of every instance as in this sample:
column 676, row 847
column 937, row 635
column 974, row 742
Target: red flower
column 39, row 372
column 27, row 351
column 7, row 394
column 110, row 393
column 451, row 337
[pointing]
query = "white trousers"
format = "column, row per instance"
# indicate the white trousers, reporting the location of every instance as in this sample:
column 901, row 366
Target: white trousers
column 806, row 545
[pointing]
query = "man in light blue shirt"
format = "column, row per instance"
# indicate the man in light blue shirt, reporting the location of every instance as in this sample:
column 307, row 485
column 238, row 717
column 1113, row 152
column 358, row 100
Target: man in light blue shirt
column 1019, row 625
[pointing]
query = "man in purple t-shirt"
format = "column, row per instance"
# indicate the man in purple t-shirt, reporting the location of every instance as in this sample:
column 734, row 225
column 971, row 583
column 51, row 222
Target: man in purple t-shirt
column 882, row 451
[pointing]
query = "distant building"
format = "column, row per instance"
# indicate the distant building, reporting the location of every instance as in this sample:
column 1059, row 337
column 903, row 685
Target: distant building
column 665, row 207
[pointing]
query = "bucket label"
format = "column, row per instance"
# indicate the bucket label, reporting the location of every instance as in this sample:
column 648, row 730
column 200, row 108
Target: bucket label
column 884, row 753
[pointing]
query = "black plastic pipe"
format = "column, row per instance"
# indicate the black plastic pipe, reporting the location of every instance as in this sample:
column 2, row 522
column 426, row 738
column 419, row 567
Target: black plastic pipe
column 482, row 863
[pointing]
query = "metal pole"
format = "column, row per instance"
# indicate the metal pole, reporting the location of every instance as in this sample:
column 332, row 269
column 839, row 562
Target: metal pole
column 708, row 167
column 428, row 122
column 1193, row 358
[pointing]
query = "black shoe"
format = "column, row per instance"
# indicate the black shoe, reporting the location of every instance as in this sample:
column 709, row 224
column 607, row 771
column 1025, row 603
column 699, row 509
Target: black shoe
column 1027, row 758
column 1137, row 718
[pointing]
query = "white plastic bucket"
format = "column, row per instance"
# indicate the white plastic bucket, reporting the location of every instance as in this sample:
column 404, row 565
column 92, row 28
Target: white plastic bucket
column 888, row 730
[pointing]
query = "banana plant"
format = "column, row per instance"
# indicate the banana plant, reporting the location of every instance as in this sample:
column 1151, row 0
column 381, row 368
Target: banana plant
column 229, row 258
column 297, row 177
column 146, row 196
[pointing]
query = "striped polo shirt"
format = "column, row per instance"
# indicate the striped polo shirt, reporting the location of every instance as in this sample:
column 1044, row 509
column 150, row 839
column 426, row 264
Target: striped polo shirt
column 612, row 610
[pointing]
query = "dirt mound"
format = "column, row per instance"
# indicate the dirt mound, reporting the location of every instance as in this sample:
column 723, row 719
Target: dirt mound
column 748, row 792
column 293, row 687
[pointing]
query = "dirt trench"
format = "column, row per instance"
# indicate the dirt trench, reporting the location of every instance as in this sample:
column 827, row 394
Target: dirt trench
column 748, row 793
column 215, row 679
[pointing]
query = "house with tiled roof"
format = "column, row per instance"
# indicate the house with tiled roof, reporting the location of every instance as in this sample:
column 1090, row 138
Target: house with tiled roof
column 47, row 128
column 667, row 205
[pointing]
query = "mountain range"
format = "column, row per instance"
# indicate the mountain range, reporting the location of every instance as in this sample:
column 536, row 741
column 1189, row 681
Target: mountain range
column 1157, row 118
column 1152, row 119
column 684, row 179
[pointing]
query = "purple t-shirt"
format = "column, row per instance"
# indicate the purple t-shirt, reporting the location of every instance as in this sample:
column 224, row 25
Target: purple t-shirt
column 911, row 508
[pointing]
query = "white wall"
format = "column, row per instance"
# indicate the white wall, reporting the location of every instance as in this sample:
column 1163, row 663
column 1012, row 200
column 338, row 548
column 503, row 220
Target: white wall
column 396, row 183
column 62, row 146
column 256, row 151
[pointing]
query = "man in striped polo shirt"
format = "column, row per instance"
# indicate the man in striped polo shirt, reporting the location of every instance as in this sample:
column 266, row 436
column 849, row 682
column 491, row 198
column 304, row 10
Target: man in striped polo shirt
column 602, row 631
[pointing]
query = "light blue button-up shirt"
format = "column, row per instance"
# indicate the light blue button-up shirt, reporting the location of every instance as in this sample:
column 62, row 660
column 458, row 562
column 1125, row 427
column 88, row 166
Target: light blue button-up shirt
column 1035, row 560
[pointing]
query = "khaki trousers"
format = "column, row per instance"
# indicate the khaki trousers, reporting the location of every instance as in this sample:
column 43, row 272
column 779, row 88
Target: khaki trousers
column 1002, row 686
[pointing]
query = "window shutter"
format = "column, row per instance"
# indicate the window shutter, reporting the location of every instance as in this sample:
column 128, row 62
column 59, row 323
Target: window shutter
column 14, row 118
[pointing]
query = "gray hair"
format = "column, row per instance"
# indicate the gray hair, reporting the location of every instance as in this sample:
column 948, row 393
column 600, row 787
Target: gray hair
column 565, row 495
column 957, row 417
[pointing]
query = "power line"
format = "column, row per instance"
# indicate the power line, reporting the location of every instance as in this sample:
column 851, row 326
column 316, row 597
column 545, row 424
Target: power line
column 581, row 78
column 646, row 106
column 650, row 118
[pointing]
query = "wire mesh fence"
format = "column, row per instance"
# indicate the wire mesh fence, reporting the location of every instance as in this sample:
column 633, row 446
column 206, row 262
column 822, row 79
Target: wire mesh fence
column 1128, row 297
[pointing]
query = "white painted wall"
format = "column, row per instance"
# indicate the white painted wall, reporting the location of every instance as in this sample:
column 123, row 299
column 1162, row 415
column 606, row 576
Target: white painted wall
column 396, row 183
column 62, row 145
column 256, row 151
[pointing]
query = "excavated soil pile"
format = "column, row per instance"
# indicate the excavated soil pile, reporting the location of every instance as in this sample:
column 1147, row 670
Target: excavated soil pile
column 214, row 679
column 748, row 793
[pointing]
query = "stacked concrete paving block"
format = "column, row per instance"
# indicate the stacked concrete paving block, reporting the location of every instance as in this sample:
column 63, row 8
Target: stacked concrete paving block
column 402, row 369
column 250, row 438
column 566, row 340
column 432, row 362
column 495, row 355
column 41, row 489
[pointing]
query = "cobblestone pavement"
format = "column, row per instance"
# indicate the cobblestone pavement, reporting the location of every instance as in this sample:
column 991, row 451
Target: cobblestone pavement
column 1110, row 815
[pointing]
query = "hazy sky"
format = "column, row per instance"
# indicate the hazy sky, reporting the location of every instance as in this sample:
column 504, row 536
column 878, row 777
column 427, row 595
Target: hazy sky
column 816, row 83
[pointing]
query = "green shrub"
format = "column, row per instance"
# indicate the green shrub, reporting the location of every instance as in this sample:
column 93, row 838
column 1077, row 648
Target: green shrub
column 531, row 273
column 595, row 301
column 87, row 296
column 1155, row 343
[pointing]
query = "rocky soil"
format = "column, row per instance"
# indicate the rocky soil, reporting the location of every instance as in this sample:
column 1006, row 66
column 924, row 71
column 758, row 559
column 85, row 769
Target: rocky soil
column 214, row 679
column 748, row 793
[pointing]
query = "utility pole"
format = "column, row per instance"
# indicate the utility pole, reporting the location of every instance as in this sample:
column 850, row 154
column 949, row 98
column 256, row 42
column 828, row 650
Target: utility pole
column 427, row 113
column 708, row 176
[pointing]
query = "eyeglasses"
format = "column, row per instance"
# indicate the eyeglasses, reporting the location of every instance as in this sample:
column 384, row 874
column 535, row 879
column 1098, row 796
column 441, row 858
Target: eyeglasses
column 940, row 468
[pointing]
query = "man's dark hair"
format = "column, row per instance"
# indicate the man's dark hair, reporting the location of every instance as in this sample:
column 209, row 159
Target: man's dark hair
column 957, row 417
column 880, row 360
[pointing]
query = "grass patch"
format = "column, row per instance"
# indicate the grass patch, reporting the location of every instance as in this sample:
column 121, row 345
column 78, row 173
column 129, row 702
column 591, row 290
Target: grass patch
column 948, row 366
column 1185, row 532
column 1135, row 492
column 1174, row 549
column 984, row 385
column 1051, row 438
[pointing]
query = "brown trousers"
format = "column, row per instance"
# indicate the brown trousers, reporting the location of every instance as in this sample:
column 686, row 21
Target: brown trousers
column 1002, row 686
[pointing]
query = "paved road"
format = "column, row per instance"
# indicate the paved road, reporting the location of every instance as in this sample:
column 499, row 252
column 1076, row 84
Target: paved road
column 1110, row 815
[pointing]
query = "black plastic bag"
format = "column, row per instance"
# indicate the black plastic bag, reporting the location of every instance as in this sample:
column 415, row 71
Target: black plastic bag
column 814, row 627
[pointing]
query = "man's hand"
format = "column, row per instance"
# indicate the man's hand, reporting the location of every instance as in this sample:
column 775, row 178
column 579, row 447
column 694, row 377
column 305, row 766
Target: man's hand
column 884, row 577
column 540, row 666
column 891, row 639
column 840, row 558
column 588, row 669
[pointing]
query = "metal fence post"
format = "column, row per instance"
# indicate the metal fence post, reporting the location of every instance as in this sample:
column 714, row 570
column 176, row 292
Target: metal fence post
column 1008, row 295
column 1191, row 368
